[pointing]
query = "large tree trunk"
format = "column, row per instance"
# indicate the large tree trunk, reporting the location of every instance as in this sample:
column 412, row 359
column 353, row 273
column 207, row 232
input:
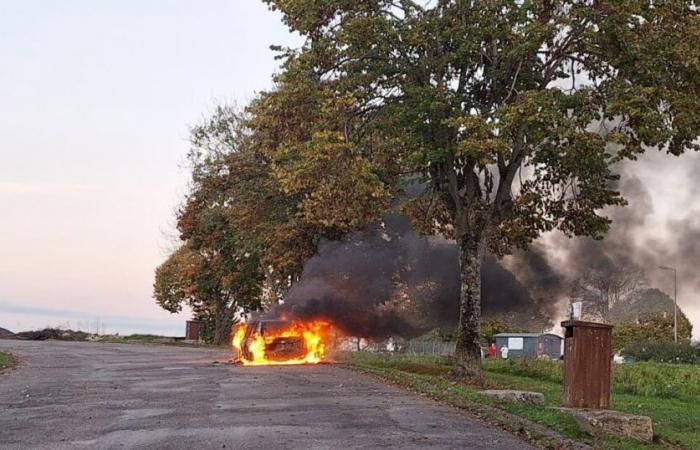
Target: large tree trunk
column 222, row 329
column 468, row 351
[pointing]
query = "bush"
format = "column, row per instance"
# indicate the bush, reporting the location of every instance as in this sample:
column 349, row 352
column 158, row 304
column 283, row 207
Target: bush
column 663, row 351
column 5, row 360
column 650, row 327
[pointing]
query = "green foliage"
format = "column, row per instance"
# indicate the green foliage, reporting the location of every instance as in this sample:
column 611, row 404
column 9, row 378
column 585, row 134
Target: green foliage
column 437, row 335
column 663, row 351
column 5, row 360
column 483, row 87
column 511, row 113
column 651, row 327
column 175, row 280
column 649, row 302
column 217, row 270
column 491, row 327
column 340, row 188
column 143, row 337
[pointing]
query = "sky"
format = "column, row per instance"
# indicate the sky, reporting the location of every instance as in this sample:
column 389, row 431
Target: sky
column 96, row 100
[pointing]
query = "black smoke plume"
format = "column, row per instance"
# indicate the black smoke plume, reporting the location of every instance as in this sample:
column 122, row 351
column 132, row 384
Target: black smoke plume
column 643, row 235
column 389, row 281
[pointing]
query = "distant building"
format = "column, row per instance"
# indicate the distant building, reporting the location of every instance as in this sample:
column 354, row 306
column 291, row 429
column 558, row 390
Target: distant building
column 530, row 345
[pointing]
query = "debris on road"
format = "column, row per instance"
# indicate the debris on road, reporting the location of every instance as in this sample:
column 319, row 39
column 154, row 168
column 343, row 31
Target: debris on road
column 53, row 333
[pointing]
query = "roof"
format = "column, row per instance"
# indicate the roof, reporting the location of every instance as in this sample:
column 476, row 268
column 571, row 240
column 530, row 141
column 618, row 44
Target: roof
column 506, row 335
column 584, row 324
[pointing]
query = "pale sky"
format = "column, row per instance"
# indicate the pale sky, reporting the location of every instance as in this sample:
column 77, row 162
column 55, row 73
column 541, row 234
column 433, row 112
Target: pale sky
column 96, row 99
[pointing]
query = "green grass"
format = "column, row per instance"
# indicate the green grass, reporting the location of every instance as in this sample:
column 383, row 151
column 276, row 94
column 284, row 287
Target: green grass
column 668, row 393
column 5, row 361
column 150, row 339
column 136, row 339
column 648, row 379
column 143, row 338
column 641, row 388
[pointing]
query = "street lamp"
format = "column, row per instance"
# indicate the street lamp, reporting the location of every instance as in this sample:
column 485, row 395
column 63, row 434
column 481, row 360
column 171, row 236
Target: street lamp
column 675, row 301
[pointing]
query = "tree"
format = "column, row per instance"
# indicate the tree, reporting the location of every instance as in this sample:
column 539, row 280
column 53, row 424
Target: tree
column 186, row 277
column 510, row 113
column 657, row 326
column 217, row 271
column 647, row 303
column 245, row 237
column 491, row 327
column 610, row 288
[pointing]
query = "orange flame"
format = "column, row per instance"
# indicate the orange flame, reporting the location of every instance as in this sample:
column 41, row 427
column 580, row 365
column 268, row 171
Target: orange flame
column 293, row 342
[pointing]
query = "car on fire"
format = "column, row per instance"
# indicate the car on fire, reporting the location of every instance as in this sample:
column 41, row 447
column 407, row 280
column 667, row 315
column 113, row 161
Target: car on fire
column 280, row 341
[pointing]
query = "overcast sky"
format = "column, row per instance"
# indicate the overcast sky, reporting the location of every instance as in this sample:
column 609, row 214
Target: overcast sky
column 96, row 98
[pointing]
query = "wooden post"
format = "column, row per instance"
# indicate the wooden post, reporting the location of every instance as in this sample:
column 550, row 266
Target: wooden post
column 587, row 364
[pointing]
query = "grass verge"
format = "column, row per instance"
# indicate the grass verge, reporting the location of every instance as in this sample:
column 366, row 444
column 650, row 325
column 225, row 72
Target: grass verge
column 137, row 339
column 6, row 361
column 676, row 420
column 148, row 339
column 667, row 393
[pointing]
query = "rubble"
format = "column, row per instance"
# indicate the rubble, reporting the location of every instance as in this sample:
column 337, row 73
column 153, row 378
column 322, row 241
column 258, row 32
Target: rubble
column 608, row 423
column 52, row 333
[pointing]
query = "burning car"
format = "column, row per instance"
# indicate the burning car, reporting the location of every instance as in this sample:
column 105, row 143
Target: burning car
column 265, row 341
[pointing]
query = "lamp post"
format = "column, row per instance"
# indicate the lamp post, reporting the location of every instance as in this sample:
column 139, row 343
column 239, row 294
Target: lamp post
column 675, row 301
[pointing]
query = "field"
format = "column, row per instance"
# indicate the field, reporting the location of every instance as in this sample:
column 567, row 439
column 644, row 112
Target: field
column 665, row 392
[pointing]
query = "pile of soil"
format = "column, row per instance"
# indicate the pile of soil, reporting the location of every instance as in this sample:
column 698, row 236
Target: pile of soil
column 53, row 333
column 6, row 334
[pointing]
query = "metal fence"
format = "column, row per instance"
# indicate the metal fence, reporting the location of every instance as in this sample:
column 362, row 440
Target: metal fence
column 431, row 348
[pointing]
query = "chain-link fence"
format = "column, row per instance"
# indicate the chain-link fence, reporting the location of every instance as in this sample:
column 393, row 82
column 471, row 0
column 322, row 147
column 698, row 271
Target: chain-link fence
column 430, row 348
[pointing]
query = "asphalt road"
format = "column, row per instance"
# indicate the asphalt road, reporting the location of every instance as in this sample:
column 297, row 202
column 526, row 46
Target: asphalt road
column 70, row 395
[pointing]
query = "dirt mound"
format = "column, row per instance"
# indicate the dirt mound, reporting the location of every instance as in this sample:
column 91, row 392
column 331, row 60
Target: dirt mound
column 53, row 333
column 6, row 334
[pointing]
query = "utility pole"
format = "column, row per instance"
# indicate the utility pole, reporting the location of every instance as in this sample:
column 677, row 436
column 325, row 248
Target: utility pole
column 675, row 301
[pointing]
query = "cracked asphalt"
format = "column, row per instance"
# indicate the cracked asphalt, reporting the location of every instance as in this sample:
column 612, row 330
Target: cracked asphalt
column 75, row 395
